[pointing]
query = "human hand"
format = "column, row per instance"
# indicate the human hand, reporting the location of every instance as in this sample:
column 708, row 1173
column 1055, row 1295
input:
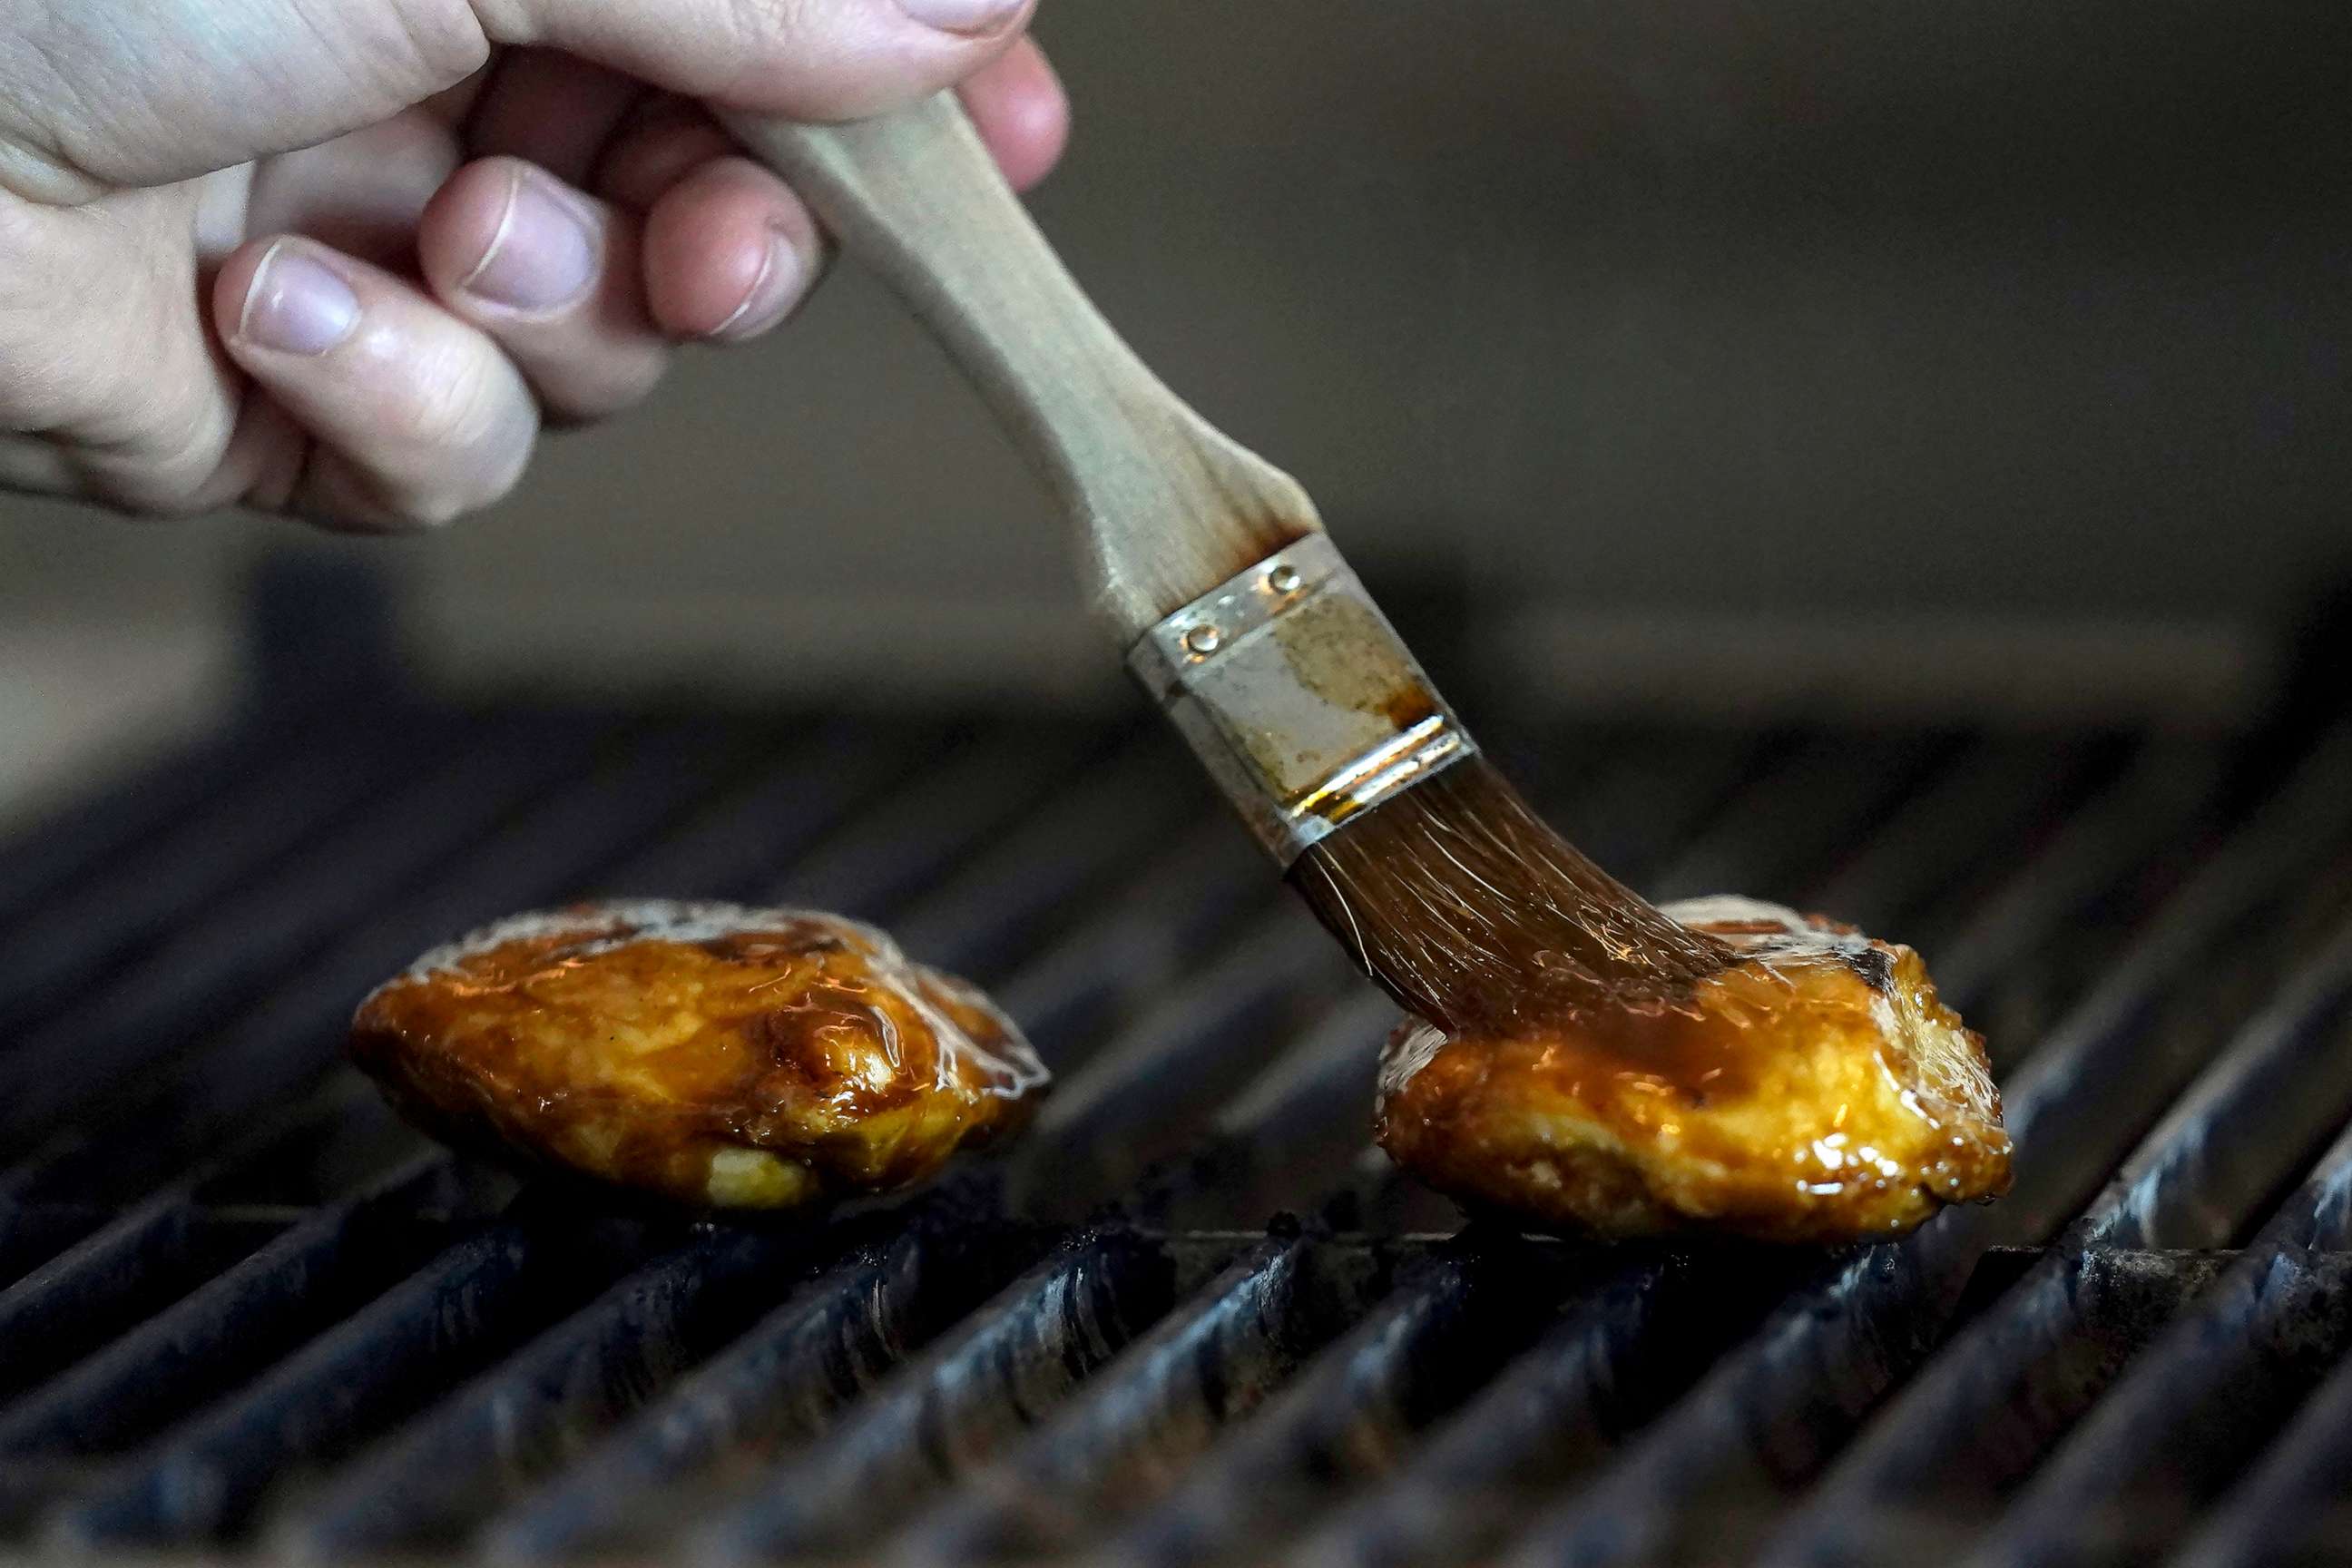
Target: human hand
column 343, row 259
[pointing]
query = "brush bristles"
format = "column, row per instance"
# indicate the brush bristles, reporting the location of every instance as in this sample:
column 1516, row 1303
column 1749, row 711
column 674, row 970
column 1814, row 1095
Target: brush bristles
column 1473, row 913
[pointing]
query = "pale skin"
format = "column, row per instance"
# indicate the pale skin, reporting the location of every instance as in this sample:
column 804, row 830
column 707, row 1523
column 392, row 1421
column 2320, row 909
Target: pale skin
column 346, row 259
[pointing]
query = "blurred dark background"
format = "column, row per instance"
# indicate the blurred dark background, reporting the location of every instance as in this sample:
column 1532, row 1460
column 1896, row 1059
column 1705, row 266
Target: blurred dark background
column 1979, row 358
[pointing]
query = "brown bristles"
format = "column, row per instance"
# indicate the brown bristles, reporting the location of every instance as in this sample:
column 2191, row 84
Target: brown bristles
column 1476, row 914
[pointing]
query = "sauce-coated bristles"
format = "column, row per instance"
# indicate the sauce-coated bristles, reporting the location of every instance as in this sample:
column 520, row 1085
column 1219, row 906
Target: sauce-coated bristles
column 1473, row 912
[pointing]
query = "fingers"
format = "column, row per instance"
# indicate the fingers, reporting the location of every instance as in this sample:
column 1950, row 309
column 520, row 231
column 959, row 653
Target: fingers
column 1017, row 105
column 553, row 276
column 667, row 140
column 420, row 409
column 814, row 60
column 730, row 253
column 359, row 193
column 558, row 110
column 416, row 417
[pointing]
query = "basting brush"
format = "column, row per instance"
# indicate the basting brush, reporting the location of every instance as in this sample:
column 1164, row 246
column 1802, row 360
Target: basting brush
column 1212, row 571
column 1582, row 1057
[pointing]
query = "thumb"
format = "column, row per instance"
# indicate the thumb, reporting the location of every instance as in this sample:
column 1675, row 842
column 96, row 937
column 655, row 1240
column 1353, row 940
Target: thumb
column 811, row 60
column 94, row 97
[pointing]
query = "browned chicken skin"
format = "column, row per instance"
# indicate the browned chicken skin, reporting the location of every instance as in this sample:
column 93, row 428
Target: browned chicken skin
column 750, row 1059
column 1813, row 1089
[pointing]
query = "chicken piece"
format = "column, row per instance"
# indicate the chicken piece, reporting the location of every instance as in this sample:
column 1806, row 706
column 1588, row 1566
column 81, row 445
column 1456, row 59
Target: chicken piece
column 1814, row 1089
column 742, row 1058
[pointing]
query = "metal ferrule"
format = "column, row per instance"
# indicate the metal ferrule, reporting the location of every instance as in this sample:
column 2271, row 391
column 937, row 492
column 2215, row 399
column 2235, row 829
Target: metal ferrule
column 1298, row 696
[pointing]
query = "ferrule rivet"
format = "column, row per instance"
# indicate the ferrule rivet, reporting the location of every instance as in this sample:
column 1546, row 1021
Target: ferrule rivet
column 1284, row 579
column 1203, row 641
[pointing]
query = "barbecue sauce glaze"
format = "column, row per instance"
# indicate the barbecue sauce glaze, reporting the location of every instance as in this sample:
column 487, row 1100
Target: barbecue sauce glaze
column 1807, row 1085
column 750, row 1059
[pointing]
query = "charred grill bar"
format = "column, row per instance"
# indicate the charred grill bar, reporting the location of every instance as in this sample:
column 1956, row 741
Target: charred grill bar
column 242, row 1308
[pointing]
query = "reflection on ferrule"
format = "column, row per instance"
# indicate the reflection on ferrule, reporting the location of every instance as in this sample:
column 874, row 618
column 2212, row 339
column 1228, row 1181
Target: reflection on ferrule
column 1410, row 758
column 1298, row 696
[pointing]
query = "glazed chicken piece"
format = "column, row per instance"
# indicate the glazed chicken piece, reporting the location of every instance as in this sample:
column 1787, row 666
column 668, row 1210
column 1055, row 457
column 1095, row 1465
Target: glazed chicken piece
column 741, row 1057
column 1812, row 1089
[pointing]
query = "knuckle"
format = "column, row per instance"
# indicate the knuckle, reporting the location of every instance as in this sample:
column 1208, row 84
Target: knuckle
column 457, row 442
column 819, row 59
column 767, row 26
column 162, row 454
column 447, row 410
column 751, row 40
column 446, row 37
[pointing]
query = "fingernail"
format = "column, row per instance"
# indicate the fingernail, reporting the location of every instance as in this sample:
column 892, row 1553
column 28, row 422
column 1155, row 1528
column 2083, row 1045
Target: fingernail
column 296, row 305
column 543, row 255
column 771, row 296
column 974, row 16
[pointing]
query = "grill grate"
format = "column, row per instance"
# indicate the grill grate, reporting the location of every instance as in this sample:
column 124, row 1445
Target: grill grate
column 242, row 1308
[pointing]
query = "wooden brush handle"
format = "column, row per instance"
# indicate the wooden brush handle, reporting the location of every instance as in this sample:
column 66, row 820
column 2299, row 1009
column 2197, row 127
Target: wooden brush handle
column 1168, row 506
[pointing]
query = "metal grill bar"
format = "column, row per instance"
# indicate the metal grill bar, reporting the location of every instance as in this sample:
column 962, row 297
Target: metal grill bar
column 1513, row 1443
column 425, row 1489
column 1142, row 939
column 1252, row 1119
column 1093, row 826
column 1130, row 1107
column 902, row 843
column 290, row 1036
column 1288, row 1132
column 1818, row 800
column 92, row 836
column 671, row 1305
column 1986, row 1407
column 1641, row 795
column 2248, row 1121
column 1771, row 1413
column 597, row 814
column 230, row 1329
column 815, row 783
column 2219, row 1382
column 1624, row 1348
column 1441, row 1332
column 599, row 1336
column 1006, row 900
column 556, row 1382
column 1928, row 864
column 776, row 1385
column 197, row 980
column 113, row 1277
column 30, row 1232
column 203, row 1479
column 1135, row 1425
column 2155, row 807
column 952, row 1410
column 101, row 922
column 740, row 1397
column 2291, row 1508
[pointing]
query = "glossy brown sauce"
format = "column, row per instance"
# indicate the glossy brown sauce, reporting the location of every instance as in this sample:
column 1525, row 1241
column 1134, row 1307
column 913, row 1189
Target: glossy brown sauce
column 1812, row 1088
column 1701, row 1035
column 1651, row 1024
column 714, row 1054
